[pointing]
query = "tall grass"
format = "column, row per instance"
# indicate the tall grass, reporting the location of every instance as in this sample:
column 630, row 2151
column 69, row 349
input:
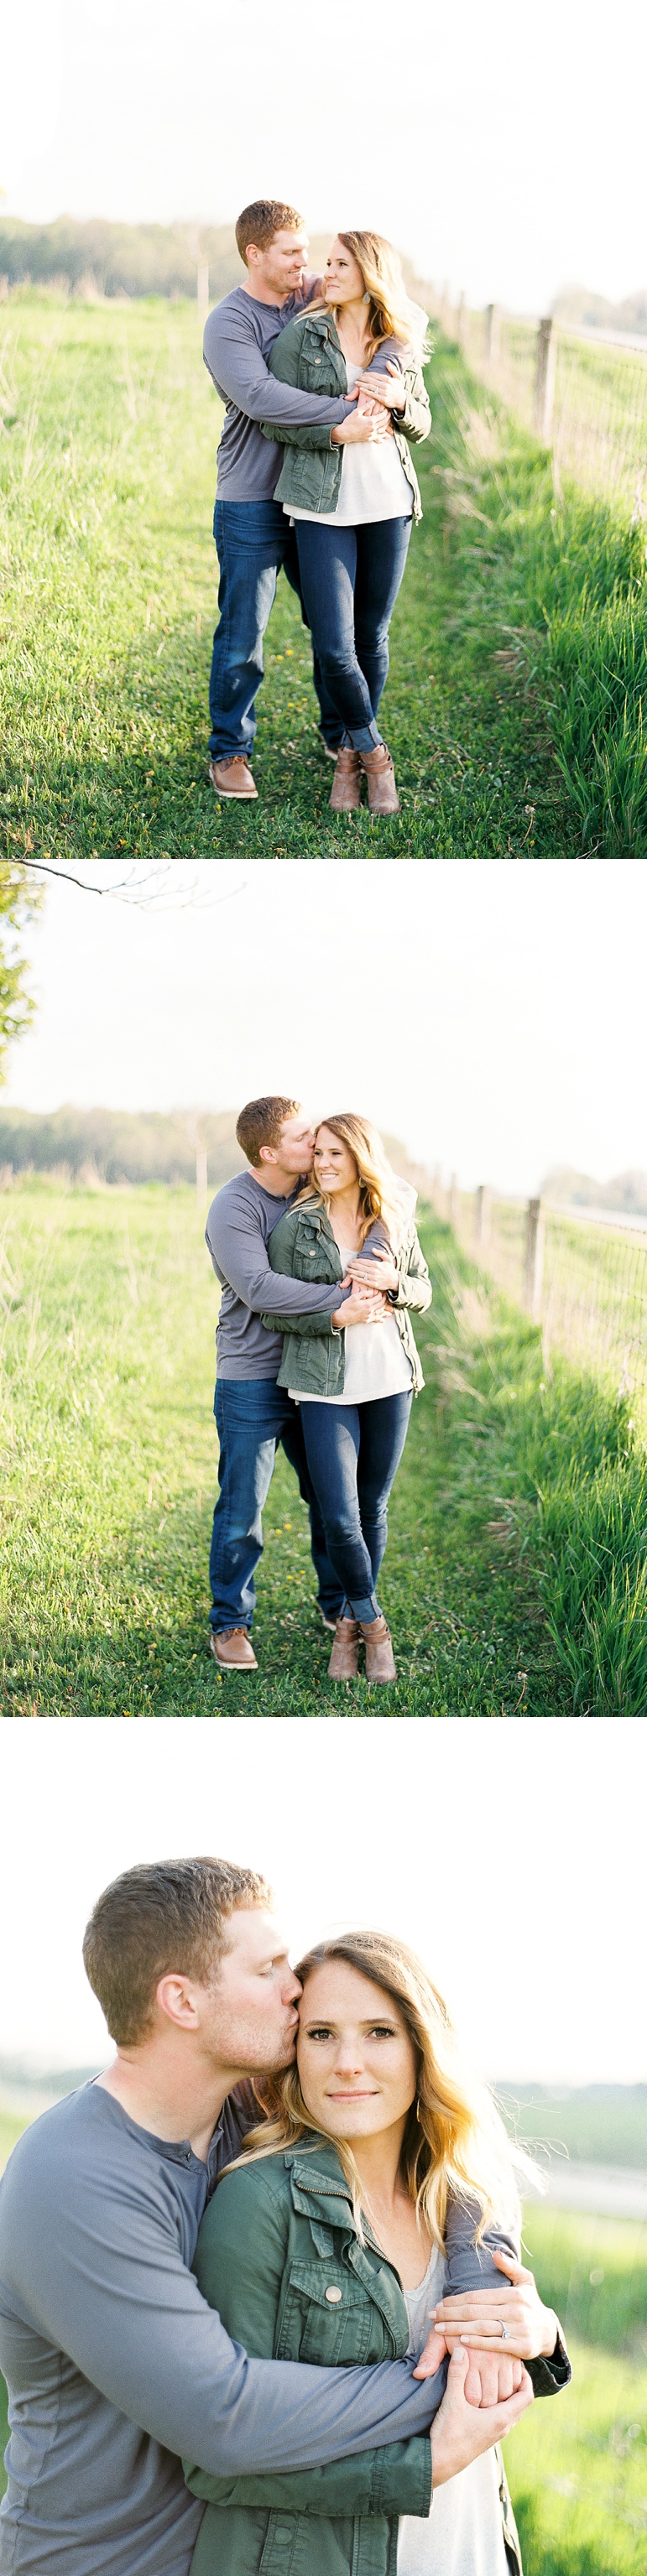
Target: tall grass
column 563, row 573
column 572, row 1478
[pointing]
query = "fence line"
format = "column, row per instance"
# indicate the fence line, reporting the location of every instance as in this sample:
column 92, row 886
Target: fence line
column 584, row 397
column 584, row 1283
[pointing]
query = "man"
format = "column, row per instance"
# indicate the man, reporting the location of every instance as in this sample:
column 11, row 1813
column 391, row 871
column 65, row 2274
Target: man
column 252, row 1413
column 252, row 534
column 116, row 2366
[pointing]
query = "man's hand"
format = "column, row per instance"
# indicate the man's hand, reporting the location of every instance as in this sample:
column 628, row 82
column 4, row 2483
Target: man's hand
column 362, row 426
column 390, row 389
column 491, row 2377
column 362, row 1308
column 461, row 2432
column 476, row 2316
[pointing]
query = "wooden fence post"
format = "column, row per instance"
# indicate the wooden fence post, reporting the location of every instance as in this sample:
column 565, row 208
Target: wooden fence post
column 482, row 1216
column 460, row 320
column 453, row 1209
column 545, row 378
column 492, row 333
column 534, row 1260
column 203, row 286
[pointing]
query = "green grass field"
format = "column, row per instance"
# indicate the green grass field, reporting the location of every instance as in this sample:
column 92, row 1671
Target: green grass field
column 107, row 474
column 500, row 1582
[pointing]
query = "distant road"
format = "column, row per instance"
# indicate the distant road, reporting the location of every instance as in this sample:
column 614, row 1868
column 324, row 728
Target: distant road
column 608, row 2191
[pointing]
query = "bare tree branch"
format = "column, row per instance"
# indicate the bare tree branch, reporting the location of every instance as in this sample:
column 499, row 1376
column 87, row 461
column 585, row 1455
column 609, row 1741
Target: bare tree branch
column 149, row 889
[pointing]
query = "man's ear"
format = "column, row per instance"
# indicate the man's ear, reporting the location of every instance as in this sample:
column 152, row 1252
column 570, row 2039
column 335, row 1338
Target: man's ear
column 176, row 1998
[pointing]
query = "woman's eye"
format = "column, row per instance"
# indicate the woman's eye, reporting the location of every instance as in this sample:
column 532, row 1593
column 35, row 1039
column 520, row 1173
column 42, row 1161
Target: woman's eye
column 321, row 2033
column 382, row 2030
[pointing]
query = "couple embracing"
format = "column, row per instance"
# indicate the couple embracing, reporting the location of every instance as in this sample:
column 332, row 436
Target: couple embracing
column 320, row 1268
column 246, row 2272
column 324, row 397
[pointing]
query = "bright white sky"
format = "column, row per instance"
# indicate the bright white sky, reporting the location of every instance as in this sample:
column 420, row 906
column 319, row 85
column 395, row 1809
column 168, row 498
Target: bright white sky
column 502, row 147
column 492, row 1016
column 513, row 1861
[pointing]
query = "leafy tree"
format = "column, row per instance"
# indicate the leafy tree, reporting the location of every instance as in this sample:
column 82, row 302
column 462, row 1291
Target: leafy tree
column 20, row 898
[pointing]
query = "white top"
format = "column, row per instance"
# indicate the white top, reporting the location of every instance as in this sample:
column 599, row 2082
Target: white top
column 373, row 483
column 463, row 2533
column 376, row 1361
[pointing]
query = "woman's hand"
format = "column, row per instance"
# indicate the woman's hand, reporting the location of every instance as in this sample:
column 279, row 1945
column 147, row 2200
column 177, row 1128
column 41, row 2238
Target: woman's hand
column 361, row 1308
column 476, row 2316
column 362, row 426
column 379, row 1266
column 389, row 389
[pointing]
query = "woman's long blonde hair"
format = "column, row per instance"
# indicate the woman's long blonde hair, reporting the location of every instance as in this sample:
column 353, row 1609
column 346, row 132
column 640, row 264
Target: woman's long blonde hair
column 391, row 313
column 454, row 2144
column 378, row 1188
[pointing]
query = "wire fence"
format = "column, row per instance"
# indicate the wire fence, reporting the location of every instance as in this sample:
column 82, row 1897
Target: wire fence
column 581, row 395
column 583, row 1279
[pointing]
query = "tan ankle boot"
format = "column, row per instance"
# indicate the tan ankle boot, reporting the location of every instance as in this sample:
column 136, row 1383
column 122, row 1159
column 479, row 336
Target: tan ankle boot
column 344, row 1661
column 380, row 779
column 346, row 790
column 380, row 1666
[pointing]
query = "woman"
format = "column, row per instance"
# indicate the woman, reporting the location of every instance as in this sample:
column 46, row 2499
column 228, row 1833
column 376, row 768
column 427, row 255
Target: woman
column 354, row 1220
column 330, row 2241
column 352, row 491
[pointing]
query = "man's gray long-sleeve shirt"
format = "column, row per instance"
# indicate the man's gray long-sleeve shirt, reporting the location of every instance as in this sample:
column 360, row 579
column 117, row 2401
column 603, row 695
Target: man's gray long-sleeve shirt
column 239, row 1223
column 117, row 2367
column 238, row 336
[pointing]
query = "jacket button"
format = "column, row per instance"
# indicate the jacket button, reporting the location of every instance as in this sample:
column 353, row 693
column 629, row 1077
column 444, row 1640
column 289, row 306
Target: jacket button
column 333, row 2296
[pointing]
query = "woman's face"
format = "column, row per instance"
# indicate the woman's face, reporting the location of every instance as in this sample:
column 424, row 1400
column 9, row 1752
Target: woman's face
column 343, row 281
column 334, row 1167
column 356, row 2062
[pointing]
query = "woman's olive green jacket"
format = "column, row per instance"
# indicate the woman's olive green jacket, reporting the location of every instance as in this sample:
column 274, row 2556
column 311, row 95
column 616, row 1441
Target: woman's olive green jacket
column 308, row 353
column 279, row 2255
column 303, row 1246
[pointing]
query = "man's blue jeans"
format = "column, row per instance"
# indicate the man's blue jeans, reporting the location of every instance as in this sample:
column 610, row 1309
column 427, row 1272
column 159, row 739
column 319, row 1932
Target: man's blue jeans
column 252, row 1416
column 352, row 1452
column 350, row 578
column 253, row 540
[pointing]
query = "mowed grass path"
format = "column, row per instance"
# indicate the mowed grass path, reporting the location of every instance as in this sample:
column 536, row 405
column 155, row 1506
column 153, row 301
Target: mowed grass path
column 107, row 478
column 109, row 1477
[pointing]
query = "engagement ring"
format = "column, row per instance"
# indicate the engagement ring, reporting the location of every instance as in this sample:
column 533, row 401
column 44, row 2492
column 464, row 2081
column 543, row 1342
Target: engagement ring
column 505, row 2338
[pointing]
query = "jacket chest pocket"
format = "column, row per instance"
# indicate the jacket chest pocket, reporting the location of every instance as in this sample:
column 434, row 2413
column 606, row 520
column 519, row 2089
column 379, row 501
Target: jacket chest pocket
column 313, row 1260
column 327, row 2318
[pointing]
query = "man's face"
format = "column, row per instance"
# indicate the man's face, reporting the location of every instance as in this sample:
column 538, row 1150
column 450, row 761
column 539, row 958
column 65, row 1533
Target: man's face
column 249, row 2022
column 295, row 1149
column 279, row 268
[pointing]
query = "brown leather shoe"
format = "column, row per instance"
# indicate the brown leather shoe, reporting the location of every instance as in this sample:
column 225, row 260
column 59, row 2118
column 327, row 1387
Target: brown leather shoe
column 380, row 779
column 232, row 777
column 344, row 1661
column 346, row 790
column 380, row 1666
column 233, row 1650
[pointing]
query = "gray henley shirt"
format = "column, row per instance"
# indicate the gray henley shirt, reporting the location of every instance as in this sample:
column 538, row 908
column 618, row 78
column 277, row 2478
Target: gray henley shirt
column 239, row 1222
column 237, row 338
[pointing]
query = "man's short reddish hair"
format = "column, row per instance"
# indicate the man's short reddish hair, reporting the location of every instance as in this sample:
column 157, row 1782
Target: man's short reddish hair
column 260, row 222
column 260, row 1123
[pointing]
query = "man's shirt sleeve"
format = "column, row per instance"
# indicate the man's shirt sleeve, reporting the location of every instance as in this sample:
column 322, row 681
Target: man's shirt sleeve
column 234, row 360
column 238, row 1248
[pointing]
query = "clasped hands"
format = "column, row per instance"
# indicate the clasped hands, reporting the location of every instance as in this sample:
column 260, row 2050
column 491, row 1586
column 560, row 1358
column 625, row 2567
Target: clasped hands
column 368, row 1303
column 474, row 2318
column 374, row 399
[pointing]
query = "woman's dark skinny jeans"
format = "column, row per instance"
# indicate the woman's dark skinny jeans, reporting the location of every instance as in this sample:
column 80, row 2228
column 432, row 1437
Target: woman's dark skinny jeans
column 350, row 578
column 352, row 1452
